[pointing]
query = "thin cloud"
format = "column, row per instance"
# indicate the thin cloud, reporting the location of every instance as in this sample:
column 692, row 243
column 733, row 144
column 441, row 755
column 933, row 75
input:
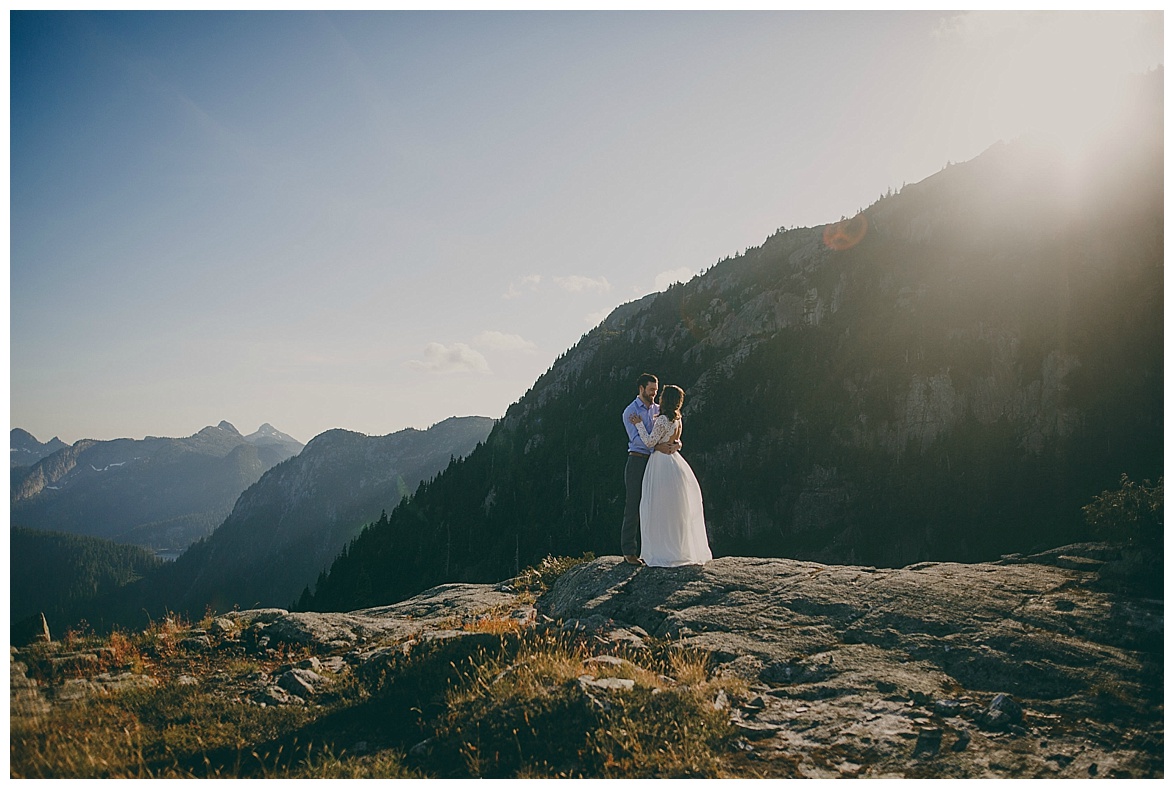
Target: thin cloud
column 982, row 25
column 578, row 284
column 444, row 359
column 500, row 341
column 524, row 285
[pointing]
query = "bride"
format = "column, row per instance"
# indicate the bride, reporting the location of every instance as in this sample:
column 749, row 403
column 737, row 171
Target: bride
column 672, row 523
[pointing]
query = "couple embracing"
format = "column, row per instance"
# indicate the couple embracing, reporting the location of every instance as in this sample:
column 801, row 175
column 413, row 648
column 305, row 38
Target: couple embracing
column 664, row 525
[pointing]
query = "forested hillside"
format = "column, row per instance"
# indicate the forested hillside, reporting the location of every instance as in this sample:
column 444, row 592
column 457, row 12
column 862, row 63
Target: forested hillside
column 58, row 574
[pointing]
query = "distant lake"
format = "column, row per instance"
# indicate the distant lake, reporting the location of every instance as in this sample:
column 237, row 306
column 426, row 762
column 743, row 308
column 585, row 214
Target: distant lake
column 169, row 555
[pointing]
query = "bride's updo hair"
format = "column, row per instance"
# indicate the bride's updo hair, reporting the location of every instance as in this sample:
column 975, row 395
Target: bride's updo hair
column 671, row 398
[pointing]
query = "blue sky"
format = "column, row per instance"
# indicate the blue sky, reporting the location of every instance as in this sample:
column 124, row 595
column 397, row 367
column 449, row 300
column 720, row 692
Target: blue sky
column 379, row 220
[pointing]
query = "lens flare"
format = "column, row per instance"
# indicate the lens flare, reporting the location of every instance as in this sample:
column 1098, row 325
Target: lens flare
column 846, row 234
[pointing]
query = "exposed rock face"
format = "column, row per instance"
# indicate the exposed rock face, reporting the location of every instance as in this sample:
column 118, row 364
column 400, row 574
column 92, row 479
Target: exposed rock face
column 269, row 436
column 46, row 472
column 899, row 672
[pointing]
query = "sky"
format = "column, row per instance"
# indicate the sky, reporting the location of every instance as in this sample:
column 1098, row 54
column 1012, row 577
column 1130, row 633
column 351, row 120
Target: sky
column 378, row 220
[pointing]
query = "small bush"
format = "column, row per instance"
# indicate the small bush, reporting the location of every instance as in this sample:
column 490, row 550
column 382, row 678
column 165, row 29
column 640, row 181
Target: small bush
column 1131, row 515
column 540, row 578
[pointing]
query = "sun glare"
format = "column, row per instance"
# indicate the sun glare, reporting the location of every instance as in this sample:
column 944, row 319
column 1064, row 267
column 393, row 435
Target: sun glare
column 1070, row 89
column 1060, row 75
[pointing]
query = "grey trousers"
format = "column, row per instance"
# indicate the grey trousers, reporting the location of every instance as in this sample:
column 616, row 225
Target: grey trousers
column 633, row 482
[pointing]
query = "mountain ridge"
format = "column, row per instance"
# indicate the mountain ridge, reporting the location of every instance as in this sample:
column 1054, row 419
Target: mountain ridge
column 157, row 492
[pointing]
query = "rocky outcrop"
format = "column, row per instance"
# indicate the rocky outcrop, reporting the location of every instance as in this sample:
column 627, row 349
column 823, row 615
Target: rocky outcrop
column 43, row 676
column 1023, row 667
column 441, row 609
column 1032, row 666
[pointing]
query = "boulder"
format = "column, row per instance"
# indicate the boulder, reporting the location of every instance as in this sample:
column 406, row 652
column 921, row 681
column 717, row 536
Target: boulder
column 442, row 602
column 222, row 626
column 199, row 643
column 300, row 682
column 336, row 632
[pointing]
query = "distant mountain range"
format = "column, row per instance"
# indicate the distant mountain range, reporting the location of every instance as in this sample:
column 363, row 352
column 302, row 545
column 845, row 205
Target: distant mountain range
column 949, row 375
column 158, row 493
column 286, row 529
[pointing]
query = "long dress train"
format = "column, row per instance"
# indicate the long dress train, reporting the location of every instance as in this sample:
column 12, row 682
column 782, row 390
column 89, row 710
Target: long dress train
column 672, row 519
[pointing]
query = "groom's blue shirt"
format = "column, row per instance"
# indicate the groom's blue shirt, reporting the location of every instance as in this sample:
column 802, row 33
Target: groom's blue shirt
column 648, row 414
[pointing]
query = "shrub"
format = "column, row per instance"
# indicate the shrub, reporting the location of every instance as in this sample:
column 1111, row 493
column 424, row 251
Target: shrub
column 539, row 579
column 1131, row 515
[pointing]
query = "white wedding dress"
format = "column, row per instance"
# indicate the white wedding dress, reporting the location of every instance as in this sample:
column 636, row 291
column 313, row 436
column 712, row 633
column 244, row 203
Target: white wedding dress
column 672, row 522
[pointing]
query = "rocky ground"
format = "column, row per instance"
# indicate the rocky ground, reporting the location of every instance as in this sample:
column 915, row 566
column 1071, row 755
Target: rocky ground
column 291, row 654
column 1021, row 668
column 1027, row 667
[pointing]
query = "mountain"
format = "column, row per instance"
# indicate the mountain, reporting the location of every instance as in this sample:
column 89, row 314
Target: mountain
column 159, row 493
column 26, row 450
column 269, row 436
column 285, row 529
column 54, row 574
column 949, row 375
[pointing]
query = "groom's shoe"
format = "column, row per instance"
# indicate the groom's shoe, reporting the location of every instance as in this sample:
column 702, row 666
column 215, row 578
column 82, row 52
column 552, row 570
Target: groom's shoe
column 636, row 560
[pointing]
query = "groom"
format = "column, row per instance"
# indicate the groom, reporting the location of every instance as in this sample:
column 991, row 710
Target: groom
column 638, row 454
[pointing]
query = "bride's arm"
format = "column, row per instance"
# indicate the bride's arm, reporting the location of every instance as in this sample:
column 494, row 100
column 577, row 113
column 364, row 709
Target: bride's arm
column 657, row 441
column 660, row 431
column 647, row 439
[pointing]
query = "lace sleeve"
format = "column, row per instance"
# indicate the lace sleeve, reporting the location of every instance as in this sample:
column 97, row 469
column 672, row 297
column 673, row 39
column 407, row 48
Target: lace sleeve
column 662, row 429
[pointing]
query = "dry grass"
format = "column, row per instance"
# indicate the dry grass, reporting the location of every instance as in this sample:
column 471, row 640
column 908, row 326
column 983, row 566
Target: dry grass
column 183, row 732
column 528, row 715
column 495, row 625
column 165, row 732
column 506, row 701
column 515, row 711
column 170, row 730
